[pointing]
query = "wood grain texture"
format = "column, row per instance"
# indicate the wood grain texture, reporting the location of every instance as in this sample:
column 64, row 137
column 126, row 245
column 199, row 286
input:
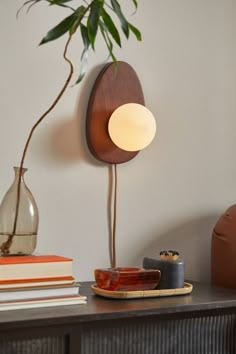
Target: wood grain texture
column 113, row 88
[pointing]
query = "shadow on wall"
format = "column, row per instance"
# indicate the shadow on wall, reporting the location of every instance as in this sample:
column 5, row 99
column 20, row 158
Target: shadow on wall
column 65, row 141
column 192, row 239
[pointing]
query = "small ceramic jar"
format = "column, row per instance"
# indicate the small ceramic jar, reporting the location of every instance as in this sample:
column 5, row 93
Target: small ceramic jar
column 172, row 271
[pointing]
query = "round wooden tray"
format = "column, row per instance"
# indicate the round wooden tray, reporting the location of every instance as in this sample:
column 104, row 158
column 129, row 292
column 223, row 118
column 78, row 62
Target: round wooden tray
column 187, row 289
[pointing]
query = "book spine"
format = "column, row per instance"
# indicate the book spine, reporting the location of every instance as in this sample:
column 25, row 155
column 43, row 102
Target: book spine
column 6, row 261
column 29, row 280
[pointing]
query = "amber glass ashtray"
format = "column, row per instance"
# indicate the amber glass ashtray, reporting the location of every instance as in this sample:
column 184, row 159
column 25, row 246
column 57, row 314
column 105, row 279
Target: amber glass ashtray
column 127, row 278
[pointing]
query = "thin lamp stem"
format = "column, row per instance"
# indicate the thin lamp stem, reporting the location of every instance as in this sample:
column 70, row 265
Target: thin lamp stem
column 114, row 220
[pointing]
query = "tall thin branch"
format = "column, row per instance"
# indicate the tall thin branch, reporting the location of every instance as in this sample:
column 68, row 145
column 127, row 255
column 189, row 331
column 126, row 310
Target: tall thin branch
column 5, row 247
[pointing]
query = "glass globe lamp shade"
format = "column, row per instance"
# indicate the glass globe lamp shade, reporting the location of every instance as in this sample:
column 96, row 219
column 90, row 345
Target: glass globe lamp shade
column 132, row 127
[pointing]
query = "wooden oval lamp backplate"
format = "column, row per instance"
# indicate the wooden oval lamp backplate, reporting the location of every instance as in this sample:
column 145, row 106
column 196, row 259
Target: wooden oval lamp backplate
column 113, row 88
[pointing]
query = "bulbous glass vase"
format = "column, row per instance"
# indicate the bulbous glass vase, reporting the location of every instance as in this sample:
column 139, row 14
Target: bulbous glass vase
column 18, row 225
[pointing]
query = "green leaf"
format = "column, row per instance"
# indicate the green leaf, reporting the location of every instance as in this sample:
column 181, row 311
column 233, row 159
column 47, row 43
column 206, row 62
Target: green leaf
column 61, row 3
column 135, row 4
column 84, row 56
column 80, row 13
column 108, row 42
column 111, row 26
column 85, row 36
column 63, row 27
column 28, row 2
column 58, row 2
column 124, row 24
column 93, row 19
column 83, row 66
column 135, row 31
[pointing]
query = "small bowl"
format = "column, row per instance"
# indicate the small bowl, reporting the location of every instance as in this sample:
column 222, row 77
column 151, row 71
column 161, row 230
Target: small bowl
column 127, row 278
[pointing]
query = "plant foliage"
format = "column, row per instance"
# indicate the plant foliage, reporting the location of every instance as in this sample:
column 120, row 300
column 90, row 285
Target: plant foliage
column 88, row 20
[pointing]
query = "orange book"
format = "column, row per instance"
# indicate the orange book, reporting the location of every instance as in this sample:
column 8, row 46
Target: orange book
column 32, row 259
column 38, row 282
column 36, row 267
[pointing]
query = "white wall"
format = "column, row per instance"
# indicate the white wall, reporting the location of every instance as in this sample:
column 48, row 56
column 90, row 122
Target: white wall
column 171, row 194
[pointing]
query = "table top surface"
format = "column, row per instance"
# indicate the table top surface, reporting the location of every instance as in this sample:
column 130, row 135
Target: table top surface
column 203, row 297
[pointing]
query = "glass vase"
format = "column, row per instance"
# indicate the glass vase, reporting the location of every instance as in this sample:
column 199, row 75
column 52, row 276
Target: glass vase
column 18, row 224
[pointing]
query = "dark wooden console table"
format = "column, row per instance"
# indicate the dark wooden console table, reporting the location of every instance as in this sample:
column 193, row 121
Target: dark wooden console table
column 203, row 322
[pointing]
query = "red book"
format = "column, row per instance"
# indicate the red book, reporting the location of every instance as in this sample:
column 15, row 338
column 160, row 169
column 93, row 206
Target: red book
column 26, row 268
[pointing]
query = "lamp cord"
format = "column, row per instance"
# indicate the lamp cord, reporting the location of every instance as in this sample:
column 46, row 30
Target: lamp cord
column 114, row 220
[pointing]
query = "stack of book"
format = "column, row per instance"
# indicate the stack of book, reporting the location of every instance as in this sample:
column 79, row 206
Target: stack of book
column 37, row 281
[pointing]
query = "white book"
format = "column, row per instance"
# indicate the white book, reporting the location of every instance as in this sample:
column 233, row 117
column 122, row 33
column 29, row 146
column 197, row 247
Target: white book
column 38, row 292
column 43, row 302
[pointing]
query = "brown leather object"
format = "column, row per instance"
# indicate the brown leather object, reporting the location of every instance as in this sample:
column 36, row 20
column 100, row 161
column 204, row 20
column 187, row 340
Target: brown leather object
column 223, row 250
